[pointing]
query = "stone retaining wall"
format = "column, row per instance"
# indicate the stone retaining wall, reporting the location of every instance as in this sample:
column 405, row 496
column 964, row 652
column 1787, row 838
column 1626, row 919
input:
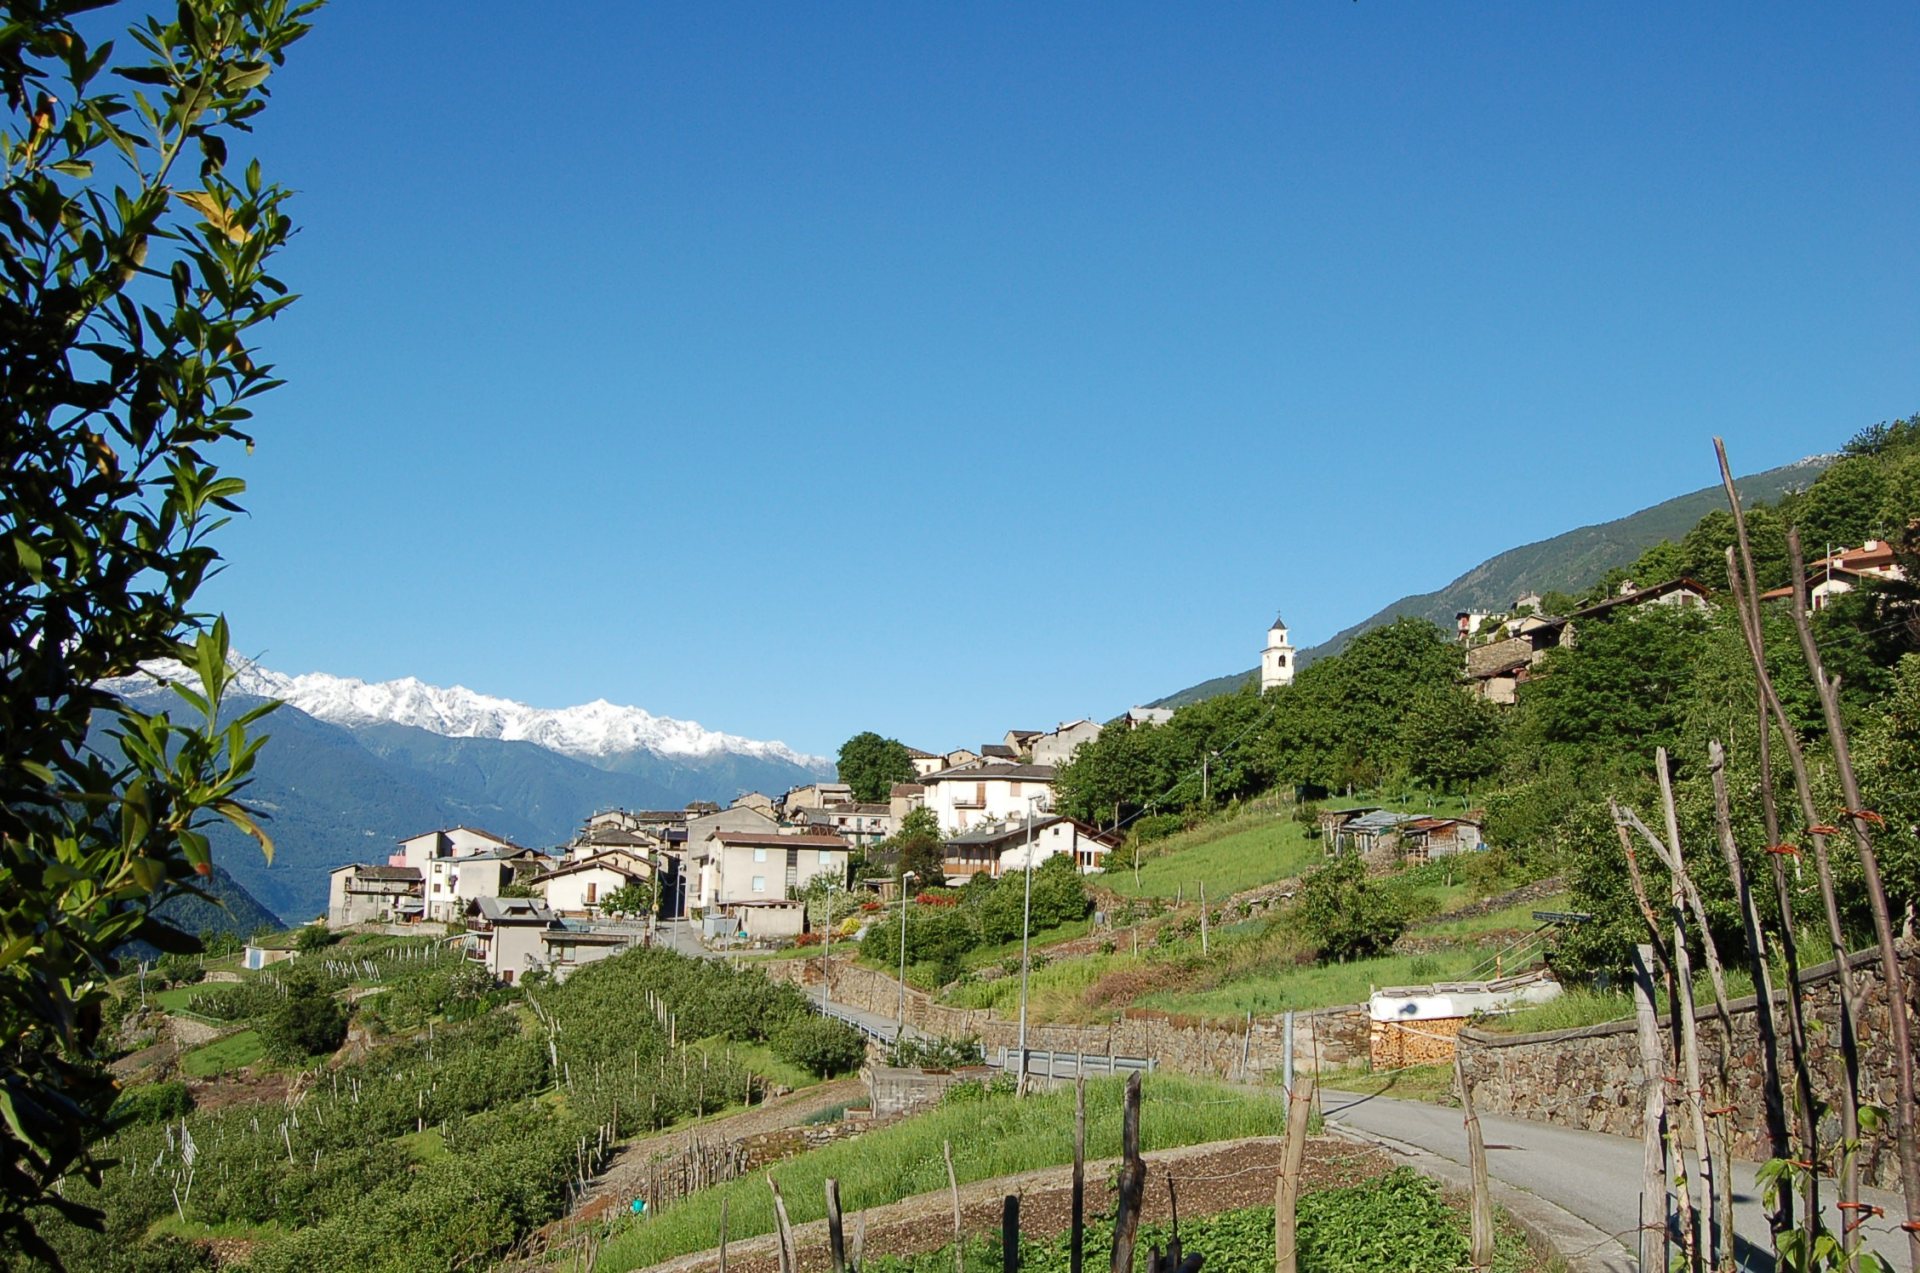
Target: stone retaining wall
column 1590, row 1077
column 1322, row 1038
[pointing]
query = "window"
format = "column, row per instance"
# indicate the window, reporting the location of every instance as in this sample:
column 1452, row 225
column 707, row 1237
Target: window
column 759, row 883
column 593, row 893
column 759, row 855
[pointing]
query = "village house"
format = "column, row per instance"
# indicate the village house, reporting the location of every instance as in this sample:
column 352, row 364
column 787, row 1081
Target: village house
column 513, row 936
column 995, row 850
column 1141, row 717
column 1020, row 741
column 998, row 752
column 503, row 935
column 858, row 824
column 762, row 866
column 362, row 894
column 816, row 795
column 458, row 864
column 758, row 801
column 925, row 762
column 1056, row 746
column 680, row 888
column 1840, row 573
column 903, row 799
column 453, row 882
column 974, row 795
column 956, row 759
column 1498, row 668
column 581, row 886
column 602, row 839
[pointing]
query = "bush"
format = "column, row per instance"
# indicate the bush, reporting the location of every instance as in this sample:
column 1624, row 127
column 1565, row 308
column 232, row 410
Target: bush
column 935, row 1053
column 312, row 938
column 820, row 1045
column 306, row 1023
column 151, row 1103
column 1348, row 914
column 180, row 970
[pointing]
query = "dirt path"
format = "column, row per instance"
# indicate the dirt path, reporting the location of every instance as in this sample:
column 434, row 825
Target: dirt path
column 627, row 1172
column 1207, row 1179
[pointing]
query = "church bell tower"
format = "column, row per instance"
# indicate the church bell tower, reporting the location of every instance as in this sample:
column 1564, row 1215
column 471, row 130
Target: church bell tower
column 1276, row 661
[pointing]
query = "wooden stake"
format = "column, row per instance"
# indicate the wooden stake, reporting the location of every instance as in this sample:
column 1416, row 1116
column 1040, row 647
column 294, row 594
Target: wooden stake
column 1077, row 1233
column 953, row 1187
column 1010, row 1234
column 1286, row 1190
column 1858, row 817
column 1480, row 1245
column 782, row 1227
column 1653, row 1095
column 836, row 1235
column 1133, row 1180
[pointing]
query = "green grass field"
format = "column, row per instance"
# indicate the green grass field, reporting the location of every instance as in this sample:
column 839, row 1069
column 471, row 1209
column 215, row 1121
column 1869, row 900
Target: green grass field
column 223, row 1055
column 1229, row 857
column 1301, row 986
column 990, row 1137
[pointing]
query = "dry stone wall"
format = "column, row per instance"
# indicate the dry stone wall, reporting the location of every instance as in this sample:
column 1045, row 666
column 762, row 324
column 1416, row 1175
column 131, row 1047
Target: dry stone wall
column 1322, row 1039
column 1590, row 1077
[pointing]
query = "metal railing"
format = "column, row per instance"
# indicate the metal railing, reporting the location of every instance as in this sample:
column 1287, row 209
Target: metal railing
column 1059, row 1065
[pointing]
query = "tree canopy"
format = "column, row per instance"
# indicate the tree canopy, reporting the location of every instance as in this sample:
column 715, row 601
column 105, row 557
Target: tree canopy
column 136, row 274
column 871, row 765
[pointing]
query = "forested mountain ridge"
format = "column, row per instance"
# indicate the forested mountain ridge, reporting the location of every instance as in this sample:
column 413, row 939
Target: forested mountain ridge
column 1569, row 562
column 1392, row 716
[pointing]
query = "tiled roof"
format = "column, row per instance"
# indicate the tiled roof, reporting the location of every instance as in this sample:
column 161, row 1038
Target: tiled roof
column 974, row 773
column 771, row 840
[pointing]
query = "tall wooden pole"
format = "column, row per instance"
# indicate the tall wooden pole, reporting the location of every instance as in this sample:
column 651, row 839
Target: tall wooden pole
column 1653, row 1096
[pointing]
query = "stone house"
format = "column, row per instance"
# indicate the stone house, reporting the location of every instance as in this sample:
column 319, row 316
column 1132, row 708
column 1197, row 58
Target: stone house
column 1498, row 668
column 925, row 762
column 904, row 799
column 1057, row 746
column 816, row 795
column 362, row 894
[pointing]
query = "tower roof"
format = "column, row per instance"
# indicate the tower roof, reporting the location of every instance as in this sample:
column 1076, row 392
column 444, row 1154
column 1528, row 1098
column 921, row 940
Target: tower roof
column 1278, row 622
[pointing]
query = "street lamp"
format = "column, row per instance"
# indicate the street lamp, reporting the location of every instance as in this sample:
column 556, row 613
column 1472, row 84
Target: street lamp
column 1026, row 932
column 902, row 1029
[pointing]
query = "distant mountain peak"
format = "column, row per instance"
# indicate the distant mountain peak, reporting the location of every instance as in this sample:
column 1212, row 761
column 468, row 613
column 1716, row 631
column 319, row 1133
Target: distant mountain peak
column 590, row 731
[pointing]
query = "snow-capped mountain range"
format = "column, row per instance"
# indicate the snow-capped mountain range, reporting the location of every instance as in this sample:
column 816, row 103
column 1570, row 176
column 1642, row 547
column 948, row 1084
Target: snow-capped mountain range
column 351, row 767
column 590, row 731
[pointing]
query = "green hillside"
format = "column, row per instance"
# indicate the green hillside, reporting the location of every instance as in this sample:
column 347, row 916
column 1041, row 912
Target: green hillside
column 1570, row 562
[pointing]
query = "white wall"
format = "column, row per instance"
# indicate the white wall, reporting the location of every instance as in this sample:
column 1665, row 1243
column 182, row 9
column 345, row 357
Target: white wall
column 952, row 800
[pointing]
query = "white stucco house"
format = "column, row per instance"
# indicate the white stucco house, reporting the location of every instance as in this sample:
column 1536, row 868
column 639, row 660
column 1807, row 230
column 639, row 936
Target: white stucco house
column 998, row 850
column 975, row 795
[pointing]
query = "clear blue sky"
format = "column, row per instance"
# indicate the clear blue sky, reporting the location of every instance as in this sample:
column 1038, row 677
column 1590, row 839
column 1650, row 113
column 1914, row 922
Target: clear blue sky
column 939, row 369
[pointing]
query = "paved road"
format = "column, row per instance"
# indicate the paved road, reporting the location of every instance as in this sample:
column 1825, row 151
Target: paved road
column 1593, row 1175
